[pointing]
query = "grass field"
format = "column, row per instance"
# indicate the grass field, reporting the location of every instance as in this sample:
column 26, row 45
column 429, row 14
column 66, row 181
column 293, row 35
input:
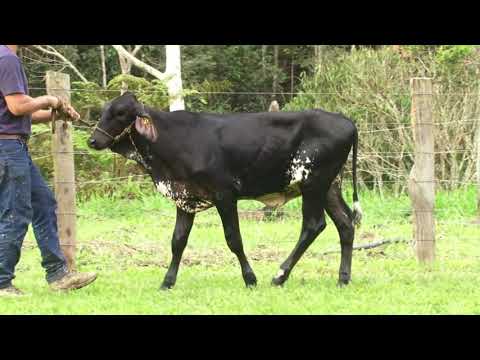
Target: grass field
column 128, row 243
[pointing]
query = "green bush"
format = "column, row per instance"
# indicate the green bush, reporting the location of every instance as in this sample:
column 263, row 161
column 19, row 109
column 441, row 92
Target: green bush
column 372, row 87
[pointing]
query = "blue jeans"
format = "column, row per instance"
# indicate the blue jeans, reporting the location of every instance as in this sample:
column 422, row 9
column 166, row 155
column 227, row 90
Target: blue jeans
column 25, row 198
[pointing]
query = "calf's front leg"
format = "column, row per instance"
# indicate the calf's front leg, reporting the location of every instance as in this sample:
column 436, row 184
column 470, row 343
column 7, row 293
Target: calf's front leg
column 183, row 225
column 227, row 209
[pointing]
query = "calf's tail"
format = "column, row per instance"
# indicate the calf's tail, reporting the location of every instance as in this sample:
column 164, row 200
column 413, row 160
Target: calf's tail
column 357, row 210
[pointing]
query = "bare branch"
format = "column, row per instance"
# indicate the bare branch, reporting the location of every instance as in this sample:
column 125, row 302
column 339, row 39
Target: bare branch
column 138, row 63
column 371, row 245
column 52, row 51
column 136, row 50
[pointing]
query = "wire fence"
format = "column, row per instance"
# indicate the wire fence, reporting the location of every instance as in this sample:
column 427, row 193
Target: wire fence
column 451, row 228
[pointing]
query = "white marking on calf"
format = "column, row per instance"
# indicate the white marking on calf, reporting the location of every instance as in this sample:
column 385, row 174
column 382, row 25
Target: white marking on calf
column 165, row 189
column 357, row 213
column 280, row 273
column 299, row 169
column 182, row 199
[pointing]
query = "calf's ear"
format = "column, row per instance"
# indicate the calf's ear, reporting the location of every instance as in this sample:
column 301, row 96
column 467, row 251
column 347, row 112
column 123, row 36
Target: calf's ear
column 145, row 127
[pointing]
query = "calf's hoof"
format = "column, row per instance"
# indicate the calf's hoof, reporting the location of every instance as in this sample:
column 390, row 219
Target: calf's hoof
column 250, row 280
column 342, row 283
column 280, row 278
column 167, row 285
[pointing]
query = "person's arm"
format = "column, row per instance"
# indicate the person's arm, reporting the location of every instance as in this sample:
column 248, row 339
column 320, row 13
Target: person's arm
column 41, row 116
column 21, row 104
column 12, row 89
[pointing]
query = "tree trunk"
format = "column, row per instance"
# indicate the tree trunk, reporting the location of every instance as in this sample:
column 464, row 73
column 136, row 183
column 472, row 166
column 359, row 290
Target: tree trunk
column 292, row 64
column 104, row 66
column 318, row 55
column 124, row 68
column 264, row 55
column 275, row 71
column 172, row 75
column 174, row 80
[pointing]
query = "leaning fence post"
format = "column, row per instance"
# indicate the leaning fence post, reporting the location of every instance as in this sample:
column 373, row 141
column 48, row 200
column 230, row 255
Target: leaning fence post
column 58, row 84
column 421, row 183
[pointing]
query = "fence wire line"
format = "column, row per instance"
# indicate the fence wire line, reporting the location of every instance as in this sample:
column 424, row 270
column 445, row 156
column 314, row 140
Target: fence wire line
column 169, row 217
column 253, row 92
column 362, row 125
column 362, row 155
column 280, row 213
column 361, row 128
column 298, row 214
column 122, row 178
column 400, row 175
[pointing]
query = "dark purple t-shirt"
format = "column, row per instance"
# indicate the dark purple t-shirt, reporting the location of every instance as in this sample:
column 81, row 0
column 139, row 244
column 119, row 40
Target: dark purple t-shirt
column 12, row 81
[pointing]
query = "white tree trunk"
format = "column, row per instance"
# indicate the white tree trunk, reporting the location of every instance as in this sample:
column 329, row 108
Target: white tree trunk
column 172, row 75
column 125, row 70
column 174, row 80
column 104, row 66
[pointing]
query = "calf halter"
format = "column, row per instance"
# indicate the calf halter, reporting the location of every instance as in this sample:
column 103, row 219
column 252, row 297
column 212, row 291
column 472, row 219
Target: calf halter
column 127, row 130
column 117, row 138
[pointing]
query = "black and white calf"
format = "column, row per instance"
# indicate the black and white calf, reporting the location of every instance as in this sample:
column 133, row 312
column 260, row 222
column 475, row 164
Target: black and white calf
column 200, row 160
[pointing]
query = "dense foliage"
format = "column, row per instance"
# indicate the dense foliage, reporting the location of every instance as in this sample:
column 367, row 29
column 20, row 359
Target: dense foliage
column 369, row 84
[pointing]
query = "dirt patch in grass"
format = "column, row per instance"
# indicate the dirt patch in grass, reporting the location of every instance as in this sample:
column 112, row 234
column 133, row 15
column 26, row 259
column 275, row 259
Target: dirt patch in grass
column 157, row 255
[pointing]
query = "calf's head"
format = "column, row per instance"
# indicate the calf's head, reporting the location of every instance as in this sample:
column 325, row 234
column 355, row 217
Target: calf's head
column 117, row 117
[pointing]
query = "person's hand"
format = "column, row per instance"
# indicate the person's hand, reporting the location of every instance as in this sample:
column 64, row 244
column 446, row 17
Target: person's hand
column 70, row 112
column 64, row 108
column 54, row 102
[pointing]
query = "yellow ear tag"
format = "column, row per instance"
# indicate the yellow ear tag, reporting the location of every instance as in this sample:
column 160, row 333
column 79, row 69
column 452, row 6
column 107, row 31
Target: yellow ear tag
column 146, row 121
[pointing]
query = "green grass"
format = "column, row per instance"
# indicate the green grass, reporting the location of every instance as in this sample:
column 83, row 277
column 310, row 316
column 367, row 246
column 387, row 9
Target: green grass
column 128, row 243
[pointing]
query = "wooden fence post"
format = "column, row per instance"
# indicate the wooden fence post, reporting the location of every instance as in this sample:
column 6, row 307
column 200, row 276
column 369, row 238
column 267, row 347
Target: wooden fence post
column 58, row 84
column 274, row 106
column 269, row 211
column 421, row 183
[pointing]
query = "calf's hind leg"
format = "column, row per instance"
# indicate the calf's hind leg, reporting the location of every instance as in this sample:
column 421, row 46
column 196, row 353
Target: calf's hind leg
column 341, row 215
column 183, row 225
column 313, row 224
